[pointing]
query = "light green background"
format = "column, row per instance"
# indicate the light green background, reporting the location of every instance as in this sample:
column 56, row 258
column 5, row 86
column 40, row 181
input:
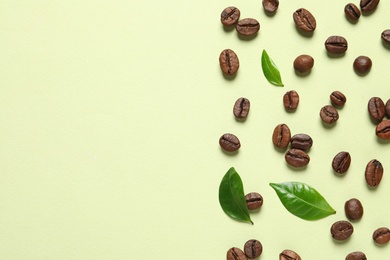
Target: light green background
column 111, row 113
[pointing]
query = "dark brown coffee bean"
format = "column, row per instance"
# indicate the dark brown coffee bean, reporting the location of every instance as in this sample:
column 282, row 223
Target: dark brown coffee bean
column 301, row 142
column 297, row 158
column 303, row 63
column 329, row 114
column 337, row 98
column 387, row 109
column 248, row 27
column 289, row 255
column 376, row 108
column 368, row 6
column 383, row 129
column 281, row 136
column 270, row 5
column 230, row 15
column 253, row 248
column 362, row 65
column 304, row 20
column 241, row 108
column 374, row 173
column 352, row 12
column 291, row 100
column 356, row 256
column 381, row 235
column 341, row 230
column 228, row 61
column 336, row 45
column 386, row 36
column 341, row 162
column 229, row 142
column 253, row 200
column 353, row 209
column 235, row 253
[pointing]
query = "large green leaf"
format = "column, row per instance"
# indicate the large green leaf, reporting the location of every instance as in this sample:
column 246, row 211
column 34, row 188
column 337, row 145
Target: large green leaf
column 232, row 197
column 270, row 70
column 302, row 200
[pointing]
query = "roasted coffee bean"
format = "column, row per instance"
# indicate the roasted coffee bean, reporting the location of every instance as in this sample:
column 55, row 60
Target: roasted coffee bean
column 386, row 36
column 341, row 230
column 281, row 136
column 253, row 248
column 228, row 60
column 291, row 100
column 336, row 45
column 374, row 173
column 270, row 5
column 341, row 162
column 248, row 27
column 329, row 114
column 387, row 109
column 337, row 98
column 381, row 235
column 356, row 256
column 303, row 63
column 253, row 200
column 352, row 12
column 353, row 209
column 383, row 129
column 301, row 141
column 376, row 108
column 229, row 142
column 230, row 15
column 297, row 158
column 368, row 6
column 304, row 20
column 289, row 255
column 362, row 65
column 235, row 253
column 241, row 108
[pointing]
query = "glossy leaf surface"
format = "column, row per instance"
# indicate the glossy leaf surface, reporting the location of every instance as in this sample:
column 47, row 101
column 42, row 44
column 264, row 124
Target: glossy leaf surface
column 302, row 200
column 232, row 197
column 270, row 70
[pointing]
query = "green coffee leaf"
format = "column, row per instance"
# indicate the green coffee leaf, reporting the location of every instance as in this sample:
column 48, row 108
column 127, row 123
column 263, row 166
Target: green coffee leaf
column 232, row 197
column 270, row 70
column 302, row 200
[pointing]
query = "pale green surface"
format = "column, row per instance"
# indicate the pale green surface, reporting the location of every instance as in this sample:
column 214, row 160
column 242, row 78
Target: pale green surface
column 111, row 113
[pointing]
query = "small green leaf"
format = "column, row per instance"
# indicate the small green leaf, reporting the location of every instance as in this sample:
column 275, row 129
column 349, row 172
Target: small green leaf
column 232, row 197
column 302, row 200
column 270, row 70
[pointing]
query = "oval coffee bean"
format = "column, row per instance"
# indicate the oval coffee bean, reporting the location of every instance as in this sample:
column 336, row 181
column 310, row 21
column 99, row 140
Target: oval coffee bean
column 253, row 248
column 303, row 63
column 291, row 100
column 383, row 129
column 297, row 158
column 253, row 200
column 376, row 108
column 241, row 108
column 248, row 27
column 341, row 230
column 337, row 98
column 235, row 253
column 374, row 173
column 229, row 142
column 353, row 209
column 230, row 15
column 270, row 5
column 356, row 256
column 341, row 162
column 381, row 235
column 289, row 255
column 301, row 141
column 329, row 114
column 387, row 109
column 228, row 61
column 386, row 36
column 304, row 20
column 281, row 136
column 352, row 12
column 368, row 6
column 362, row 65
column 336, row 45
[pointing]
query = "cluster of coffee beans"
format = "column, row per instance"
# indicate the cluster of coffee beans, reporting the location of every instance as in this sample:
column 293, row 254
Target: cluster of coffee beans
column 377, row 111
column 252, row 249
column 230, row 16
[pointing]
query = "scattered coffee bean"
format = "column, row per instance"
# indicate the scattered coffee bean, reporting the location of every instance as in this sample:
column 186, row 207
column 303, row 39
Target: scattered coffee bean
column 253, row 200
column 230, row 15
column 303, row 63
column 362, row 65
column 353, row 209
column 387, row 108
column 341, row 230
column 241, row 108
column 329, row 114
column 297, row 158
column 381, row 235
column 289, row 255
column 291, row 100
column 352, row 12
column 368, row 6
column 341, row 162
column 228, row 61
column 248, row 27
column 281, row 136
column 386, row 36
column 253, row 248
column 376, row 108
column 383, row 129
column 356, row 256
column 301, row 141
column 235, row 253
column 304, row 20
column 374, row 173
column 336, row 45
column 229, row 142
column 337, row 98
column 270, row 6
